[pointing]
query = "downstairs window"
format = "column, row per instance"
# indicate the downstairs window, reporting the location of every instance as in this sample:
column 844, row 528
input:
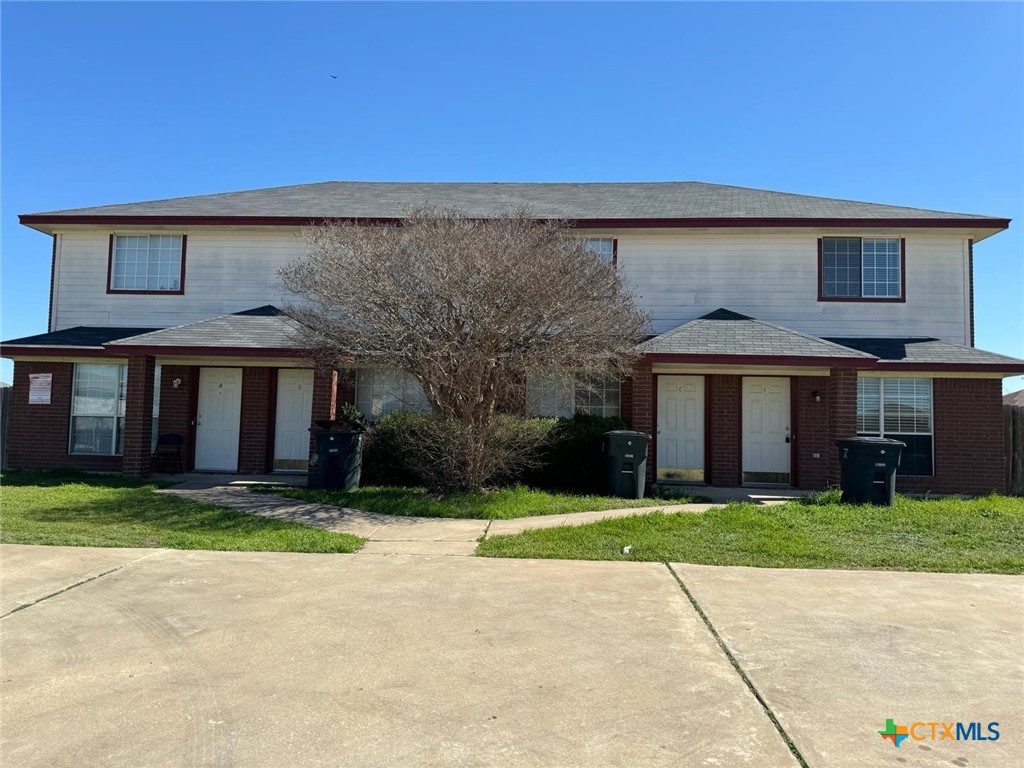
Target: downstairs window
column 900, row 409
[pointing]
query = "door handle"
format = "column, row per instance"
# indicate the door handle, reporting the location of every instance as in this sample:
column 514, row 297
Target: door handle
column 787, row 438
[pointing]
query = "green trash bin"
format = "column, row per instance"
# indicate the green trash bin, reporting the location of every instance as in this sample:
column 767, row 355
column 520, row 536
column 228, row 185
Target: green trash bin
column 338, row 461
column 626, row 463
column 867, row 469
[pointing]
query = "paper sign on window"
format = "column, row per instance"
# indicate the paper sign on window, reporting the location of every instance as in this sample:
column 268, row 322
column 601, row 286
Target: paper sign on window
column 40, row 385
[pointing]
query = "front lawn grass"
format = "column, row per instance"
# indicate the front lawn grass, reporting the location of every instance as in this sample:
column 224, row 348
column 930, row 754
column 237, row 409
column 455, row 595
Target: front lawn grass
column 984, row 535
column 77, row 509
column 501, row 504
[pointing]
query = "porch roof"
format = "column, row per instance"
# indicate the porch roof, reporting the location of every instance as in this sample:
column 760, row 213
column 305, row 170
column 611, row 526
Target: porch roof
column 727, row 336
column 929, row 354
column 259, row 331
column 82, row 339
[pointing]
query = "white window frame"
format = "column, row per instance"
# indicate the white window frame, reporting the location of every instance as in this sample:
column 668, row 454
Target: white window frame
column 121, row 282
column 895, row 433
column 864, row 295
column 120, row 402
column 558, row 398
column 610, row 256
column 377, row 389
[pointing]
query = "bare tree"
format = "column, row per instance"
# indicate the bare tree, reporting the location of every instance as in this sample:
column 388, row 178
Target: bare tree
column 471, row 308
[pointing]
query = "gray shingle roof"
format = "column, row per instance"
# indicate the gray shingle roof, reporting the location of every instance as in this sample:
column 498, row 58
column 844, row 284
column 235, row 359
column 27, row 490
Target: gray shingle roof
column 724, row 332
column 79, row 336
column 264, row 327
column 580, row 201
column 926, row 351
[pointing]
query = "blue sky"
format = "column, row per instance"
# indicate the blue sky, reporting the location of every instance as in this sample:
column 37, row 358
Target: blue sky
column 915, row 104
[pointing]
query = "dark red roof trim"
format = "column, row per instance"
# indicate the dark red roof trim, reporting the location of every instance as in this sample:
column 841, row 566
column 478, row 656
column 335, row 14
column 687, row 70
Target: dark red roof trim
column 270, row 221
column 13, row 350
column 1007, row 368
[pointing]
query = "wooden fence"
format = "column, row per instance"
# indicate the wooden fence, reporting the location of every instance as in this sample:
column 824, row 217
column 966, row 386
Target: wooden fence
column 1013, row 418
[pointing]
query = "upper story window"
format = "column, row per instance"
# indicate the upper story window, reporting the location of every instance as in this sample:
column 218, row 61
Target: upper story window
column 604, row 247
column 853, row 268
column 147, row 263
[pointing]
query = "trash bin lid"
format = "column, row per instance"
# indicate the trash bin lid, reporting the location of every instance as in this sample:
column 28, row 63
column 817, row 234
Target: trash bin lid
column 869, row 441
column 626, row 433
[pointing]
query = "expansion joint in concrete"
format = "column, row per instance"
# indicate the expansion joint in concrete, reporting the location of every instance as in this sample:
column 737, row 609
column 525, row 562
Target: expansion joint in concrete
column 739, row 670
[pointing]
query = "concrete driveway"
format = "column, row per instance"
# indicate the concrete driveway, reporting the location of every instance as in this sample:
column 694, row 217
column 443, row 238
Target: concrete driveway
column 168, row 658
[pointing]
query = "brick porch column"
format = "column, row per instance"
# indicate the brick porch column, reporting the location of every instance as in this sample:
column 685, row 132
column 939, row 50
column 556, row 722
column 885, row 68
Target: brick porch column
column 641, row 411
column 138, row 417
column 842, row 414
column 325, row 405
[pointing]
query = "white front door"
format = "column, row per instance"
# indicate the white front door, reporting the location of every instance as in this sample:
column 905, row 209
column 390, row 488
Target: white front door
column 294, row 415
column 766, row 430
column 680, row 442
column 217, row 418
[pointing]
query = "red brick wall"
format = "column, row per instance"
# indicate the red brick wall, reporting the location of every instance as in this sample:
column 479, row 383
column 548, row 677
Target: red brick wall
column 254, row 448
column 38, row 436
column 811, row 431
column 969, row 448
column 325, row 402
column 842, row 414
column 175, row 406
column 722, row 457
column 138, row 417
column 346, row 387
column 641, row 410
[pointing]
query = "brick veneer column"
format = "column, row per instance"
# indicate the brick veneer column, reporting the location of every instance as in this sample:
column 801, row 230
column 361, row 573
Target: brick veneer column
column 641, row 408
column 346, row 387
column 325, row 404
column 255, row 421
column 138, row 418
column 722, row 457
column 812, row 431
column 842, row 414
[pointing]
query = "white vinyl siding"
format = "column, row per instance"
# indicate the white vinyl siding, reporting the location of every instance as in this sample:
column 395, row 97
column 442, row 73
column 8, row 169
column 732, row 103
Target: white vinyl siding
column 675, row 276
column 146, row 263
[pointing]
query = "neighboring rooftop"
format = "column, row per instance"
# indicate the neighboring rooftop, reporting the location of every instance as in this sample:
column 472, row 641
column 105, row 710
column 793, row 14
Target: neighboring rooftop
column 690, row 202
column 1014, row 398
column 731, row 334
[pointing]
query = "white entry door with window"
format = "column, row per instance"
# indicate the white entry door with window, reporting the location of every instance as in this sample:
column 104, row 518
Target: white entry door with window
column 680, row 439
column 294, row 415
column 767, row 432
column 217, row 419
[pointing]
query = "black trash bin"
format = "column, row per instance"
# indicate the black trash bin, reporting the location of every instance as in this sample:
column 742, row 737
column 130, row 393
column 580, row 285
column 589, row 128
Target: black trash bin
column 867, row 469
column 626, row 463
column 338, row 462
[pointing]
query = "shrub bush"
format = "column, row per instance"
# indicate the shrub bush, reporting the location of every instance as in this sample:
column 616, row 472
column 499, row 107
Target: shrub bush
column 412, row 449
column 573, row 459
column 384, row 449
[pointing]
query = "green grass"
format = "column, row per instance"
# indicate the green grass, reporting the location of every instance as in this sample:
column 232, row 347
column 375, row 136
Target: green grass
column 502, row 504
column 77, row 509
column 984, row 535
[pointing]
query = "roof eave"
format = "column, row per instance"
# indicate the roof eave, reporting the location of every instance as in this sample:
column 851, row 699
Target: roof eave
column 44, row 222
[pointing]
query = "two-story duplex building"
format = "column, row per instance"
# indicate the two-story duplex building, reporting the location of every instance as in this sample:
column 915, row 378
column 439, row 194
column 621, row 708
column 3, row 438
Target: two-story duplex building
column 782, row 322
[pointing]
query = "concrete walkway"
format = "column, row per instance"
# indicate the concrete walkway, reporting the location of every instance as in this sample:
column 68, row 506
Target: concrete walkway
column 392, row 534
